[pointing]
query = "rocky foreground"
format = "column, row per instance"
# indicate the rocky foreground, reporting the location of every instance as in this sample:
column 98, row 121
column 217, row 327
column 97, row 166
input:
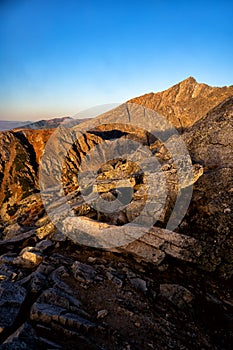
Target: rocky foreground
column 156, row 294
column 163, row 290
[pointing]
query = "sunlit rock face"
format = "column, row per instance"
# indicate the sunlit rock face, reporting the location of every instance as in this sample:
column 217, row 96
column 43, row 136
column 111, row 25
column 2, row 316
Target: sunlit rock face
column 186, row 102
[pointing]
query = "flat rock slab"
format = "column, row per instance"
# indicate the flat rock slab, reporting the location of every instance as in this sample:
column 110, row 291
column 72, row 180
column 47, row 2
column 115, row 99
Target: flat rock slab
column 47, row 313
column 148, row 244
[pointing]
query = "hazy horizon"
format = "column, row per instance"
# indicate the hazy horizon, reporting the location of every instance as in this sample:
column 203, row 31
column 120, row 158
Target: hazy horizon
column 59, row 58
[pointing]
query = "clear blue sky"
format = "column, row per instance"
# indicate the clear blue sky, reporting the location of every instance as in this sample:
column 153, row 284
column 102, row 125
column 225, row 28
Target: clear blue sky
column 58, row 57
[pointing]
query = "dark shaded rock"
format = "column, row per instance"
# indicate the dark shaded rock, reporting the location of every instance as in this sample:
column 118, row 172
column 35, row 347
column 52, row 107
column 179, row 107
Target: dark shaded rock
column 178, row 295
column 46, row 313
column 25, row 338
column 6, row 272
column 139, row 284
column 44, row 245
column 19, row 239
column 12, row 297
column 83, row 273
column 210, row 215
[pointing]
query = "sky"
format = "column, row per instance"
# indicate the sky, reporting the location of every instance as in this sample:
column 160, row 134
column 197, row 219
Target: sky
column 59, row 57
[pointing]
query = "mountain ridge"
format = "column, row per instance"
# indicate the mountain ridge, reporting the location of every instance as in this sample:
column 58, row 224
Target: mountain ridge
column 186, row 102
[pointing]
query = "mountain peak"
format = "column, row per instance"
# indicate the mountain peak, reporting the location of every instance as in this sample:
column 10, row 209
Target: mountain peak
column 186, row 102
column 189, row 80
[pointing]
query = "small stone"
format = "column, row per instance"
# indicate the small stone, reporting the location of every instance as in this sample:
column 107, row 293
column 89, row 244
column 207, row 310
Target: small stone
column 139, row 284
column 178, row 295
column 59, row 237
column 83, row 273
column 91, row 259
column 118, row 282
column 153, row 294
column 12, row 230
column 163, row 267
column 45, row 230
column 28, row 258
column 44, row 245
column 3, row 277
column 109, row 275
column 102, row 313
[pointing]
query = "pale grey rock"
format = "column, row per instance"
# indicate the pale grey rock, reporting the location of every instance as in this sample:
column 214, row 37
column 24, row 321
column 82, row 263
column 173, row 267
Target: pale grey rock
column 102, row 313
column 139, row 284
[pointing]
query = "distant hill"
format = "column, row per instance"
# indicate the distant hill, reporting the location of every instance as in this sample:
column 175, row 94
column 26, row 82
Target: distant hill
column 46, row 123
column 186, row 102
column 41, row 124
column 8, row 125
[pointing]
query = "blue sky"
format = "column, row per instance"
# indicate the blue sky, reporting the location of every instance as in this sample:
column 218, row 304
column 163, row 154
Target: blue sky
column 58, row 57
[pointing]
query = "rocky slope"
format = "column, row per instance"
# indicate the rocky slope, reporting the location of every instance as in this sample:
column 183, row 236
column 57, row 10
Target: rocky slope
column 210, row 215
column 186, row 102
column 162, row 290
column 66, row 296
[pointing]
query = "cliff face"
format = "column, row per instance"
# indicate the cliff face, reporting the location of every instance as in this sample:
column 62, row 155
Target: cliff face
column 18, row 171
column 186, row 102
column 19, row 162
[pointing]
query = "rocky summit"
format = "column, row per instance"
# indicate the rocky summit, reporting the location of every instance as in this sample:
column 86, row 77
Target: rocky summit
column 186, row 102
column 117, row 233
